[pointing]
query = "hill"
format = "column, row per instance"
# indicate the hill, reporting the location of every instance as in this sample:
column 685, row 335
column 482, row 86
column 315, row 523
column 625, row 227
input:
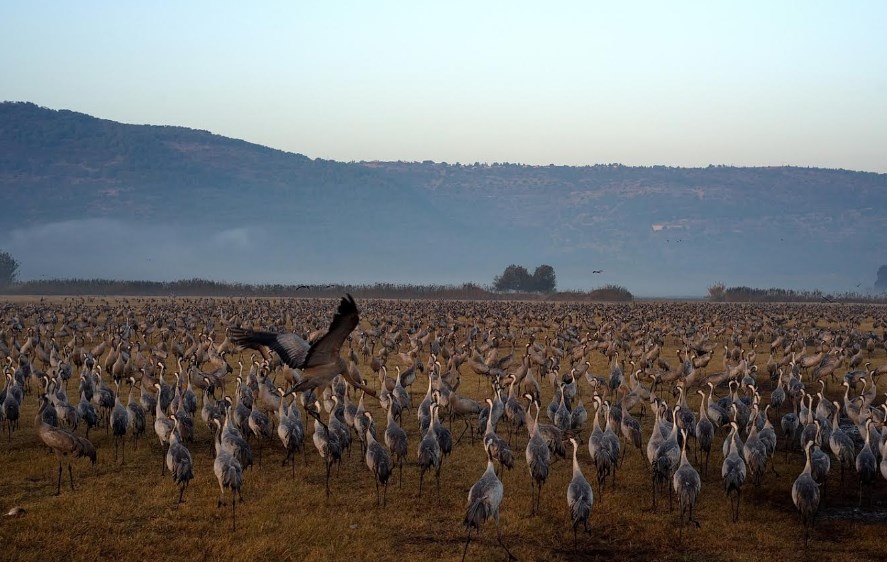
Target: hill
column 89, row 197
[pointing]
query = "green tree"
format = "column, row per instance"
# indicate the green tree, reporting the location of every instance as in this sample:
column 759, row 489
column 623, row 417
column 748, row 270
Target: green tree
column 8, row 269
column 544, row 279
column 514, row 278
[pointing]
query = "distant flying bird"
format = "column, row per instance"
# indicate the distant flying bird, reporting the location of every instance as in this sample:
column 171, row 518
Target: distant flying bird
column 319, row 362
column 597, row 271
column 302, row 287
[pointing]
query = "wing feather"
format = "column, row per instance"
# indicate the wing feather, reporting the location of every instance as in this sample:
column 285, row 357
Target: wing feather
column 327, row 348
column 292, row 349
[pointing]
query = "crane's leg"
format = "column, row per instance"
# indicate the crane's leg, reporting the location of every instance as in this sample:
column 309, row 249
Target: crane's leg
column 58, row 489
column 123, row 448
column 467, row 540
column 71, row 476
column 328, row 465
column 233, row 511
column 502, row 544
column 463, row 433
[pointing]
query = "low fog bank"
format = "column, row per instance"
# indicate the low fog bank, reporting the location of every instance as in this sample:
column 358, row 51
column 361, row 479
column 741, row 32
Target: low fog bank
column 278, row 253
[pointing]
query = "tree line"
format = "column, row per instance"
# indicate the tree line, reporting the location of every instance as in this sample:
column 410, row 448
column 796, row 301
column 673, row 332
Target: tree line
column 517, row 278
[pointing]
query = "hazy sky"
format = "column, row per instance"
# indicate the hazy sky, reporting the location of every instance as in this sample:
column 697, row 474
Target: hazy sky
column 679, row 83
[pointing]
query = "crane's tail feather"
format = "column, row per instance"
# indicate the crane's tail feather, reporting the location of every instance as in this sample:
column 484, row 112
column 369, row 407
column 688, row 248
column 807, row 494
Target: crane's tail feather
column 84, row 448
column 477, row 513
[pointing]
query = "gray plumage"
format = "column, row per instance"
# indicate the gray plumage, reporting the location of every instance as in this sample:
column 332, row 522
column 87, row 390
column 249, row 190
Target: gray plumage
column 805, row 495
column 538, row 460
column 484, row 499
column 687, row 485
column 179, row 463
column 327, row 444
column 290, row 431
column 755, row 455
column 705, row 431
column 733, row 472
column 396, row 440
column 580, row 496
column 378, row 460
column 866, row 462
column 119, row 424
column 599, row 448
column 86, row 412
column 498, row 447
column 62, row 443
column 229, row 474
column 841, row 444
column 429, row 455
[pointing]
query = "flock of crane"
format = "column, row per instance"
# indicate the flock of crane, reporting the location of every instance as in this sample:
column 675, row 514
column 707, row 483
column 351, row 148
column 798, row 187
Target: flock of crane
column 113, row 359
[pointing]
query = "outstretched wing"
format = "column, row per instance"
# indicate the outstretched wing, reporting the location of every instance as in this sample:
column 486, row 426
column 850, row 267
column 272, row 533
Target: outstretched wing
column 292, row 349
column 327, row 347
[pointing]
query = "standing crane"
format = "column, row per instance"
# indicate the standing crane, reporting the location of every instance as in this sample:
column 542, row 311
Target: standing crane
column 866, row 462
column 805, row 495
column 178, row 461
column 430, row 455
column 538, row 459
column 62, row 443
column 705, row 431
column 484, row 499
column 500, row 449
column 396, row 441
column 162, row 425
column 687, row 484
column 289, row 430
column 229, row 473
column 580, row 496
column 733, row 471
column 119, row 423
column 378, row 460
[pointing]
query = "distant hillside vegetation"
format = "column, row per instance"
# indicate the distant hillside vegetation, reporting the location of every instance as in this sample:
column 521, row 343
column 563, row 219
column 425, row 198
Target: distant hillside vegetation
column 653, row 229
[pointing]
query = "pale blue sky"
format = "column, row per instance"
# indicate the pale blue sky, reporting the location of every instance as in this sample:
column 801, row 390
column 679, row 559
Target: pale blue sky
column 677, row 83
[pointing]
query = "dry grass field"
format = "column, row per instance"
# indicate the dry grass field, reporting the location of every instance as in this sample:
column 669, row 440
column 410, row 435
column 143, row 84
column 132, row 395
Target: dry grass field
column 129, row 511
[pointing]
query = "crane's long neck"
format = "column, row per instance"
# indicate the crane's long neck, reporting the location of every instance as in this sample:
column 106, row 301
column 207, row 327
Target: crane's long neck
column 576, row 468
column 684, row 451
column 489, row 418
